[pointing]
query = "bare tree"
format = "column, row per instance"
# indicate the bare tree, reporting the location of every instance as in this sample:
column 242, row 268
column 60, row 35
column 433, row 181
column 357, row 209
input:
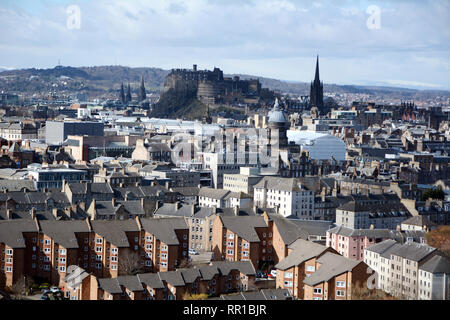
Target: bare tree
column 130, row 264
column 21, row 286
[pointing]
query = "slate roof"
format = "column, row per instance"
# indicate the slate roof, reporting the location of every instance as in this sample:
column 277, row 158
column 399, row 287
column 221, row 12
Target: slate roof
column 63, row 232
column 17, row 185
column 174, row 278
column 331, row 265
column 110, row 285
column 419, row 221
column 164, row 228
column 437, row 264
column 213, row 193
column 413, row 251
column 289, row 230
column 11, row 232
column 313, row 227
column 278, row 183
column 114, row 231
column 244, row 226
column 132, row 283
column 225, row 267
column 151, row 279
column 303, row 250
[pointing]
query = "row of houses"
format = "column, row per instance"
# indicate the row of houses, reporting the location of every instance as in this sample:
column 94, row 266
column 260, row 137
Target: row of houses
column 410, row 270
column 45, row 248
column 213, row 279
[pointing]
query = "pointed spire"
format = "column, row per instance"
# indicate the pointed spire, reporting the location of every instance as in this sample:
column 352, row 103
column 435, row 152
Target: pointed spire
column 142, row 94
column 316, row 78
column 122, row 94
column 128, row 96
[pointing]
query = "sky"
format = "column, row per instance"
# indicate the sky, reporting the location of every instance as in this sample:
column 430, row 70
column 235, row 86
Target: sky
column 396, row 43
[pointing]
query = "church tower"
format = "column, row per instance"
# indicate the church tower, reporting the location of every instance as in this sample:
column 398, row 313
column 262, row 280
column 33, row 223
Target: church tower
column 142, row 94
column 128, row 96
column 316, row 93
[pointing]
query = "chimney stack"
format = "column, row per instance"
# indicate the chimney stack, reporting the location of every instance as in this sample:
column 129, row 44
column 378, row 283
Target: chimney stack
column 214, row 210
column 177, row 205
column 33, row 213
column 9, row 214
column 55, row 212
column 236, row 210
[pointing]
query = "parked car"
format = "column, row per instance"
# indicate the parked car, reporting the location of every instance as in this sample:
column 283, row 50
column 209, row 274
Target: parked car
column 45, row 290
column 273, row 273
column 54, row 289
column 44, row 296
column 193, row 252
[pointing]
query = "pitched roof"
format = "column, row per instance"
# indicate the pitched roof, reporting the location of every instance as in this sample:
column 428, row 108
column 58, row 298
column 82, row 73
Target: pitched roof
column 289, row 231
column 110, row 285
column 437, row 264
column 213, row 193
column 114, row 231
column 63, row 232
column 279, row 183
column 151, row 279
column 132, row 283
column 331, row 265
column 303, row 250
column 11, row 232
column 413, row 251
column 173, row 278
column 75, row 276
column 164, row 228
column 420, row 221
column 244, row 226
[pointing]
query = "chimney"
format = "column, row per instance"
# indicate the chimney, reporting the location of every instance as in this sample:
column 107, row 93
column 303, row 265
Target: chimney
column 214, row 210
column 255, row 208
column 9, row 214
column 372, row 227
column 33, row 213
column 88, row 222
column 82, row 205
column 114, row 202
column 177, row 205
column 158, row 204
column 192, row 209
column 167, row 185
column 398, row 228
column 236, row 210
column 63, row 188
column 138, row 222
column 55, row 212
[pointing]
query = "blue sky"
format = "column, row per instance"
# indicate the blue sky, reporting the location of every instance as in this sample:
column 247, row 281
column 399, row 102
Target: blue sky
column 272, row 38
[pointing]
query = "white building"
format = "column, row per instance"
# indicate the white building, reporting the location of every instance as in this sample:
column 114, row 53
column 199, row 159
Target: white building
column 321, row 146
column 434, row 279
column 286, row 194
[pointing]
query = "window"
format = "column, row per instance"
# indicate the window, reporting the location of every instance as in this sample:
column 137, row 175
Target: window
column 47, row 241
column 9, row 252
column 62, row 269
column 288, row 274
column 8, row 269
column 340, row 284
column 62, row 252
column 114, row 250
column 317, row 290
column 113, row 267
column 99, row 240
column 310, row 268
column 340, row 293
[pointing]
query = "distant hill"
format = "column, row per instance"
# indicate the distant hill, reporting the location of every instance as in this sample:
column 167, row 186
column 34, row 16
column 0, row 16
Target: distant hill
column 99, row 80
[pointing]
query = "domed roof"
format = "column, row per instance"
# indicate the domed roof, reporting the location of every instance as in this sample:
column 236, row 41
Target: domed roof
column 276, row 115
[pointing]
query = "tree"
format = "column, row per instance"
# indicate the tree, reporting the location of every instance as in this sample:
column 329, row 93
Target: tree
column 22, row 286
column 199, row 296
column 440, row 239
column 130, row 264
column 437, row 193
column 361, row 292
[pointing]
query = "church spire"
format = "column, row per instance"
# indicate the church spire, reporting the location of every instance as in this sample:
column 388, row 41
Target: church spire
column 128, row 96
column 122, row 94
column 142, row 94
column 317, row 78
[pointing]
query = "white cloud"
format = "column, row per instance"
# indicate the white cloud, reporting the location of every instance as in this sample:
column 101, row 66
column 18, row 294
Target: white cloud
column 413, row 42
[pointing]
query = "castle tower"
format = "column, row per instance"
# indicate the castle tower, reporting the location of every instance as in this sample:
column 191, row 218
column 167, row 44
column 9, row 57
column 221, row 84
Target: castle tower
column 142, row 95
column 316, row 93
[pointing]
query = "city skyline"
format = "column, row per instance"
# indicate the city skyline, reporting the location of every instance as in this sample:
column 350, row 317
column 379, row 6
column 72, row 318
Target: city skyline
column 408, row 48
